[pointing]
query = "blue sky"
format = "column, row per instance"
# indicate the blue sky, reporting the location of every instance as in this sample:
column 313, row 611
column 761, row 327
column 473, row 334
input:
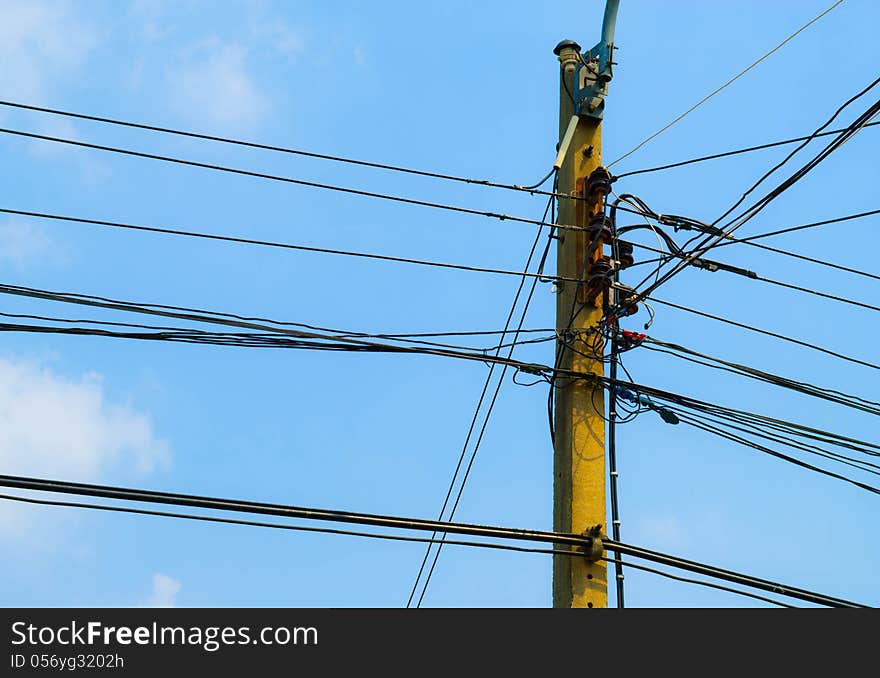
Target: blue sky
column 465, row 88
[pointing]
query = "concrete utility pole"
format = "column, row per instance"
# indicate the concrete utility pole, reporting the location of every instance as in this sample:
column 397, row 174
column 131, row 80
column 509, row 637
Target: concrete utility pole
column 579, row 451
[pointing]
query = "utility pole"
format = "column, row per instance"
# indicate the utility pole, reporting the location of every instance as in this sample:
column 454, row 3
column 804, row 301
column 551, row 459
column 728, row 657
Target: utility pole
column 579, row 441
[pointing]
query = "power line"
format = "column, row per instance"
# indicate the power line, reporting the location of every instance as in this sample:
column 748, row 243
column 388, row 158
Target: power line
column 769, row 333
column 725, row 154
column 757, row 426
column 817, row 293
column 700, row 582
column 308, row 339
column 727, row 575
column 353, row 533
column 726, row 84
column 405, row 337
column 489, row 410
column 761, row 448
column 831, row 395
column 701, row 263
column 737, row 222
column 413, row 524
column 269, row 243
column 282, row 149
column 803, row 257
column 289, row 180
column 792, row 229
column 483, row 427
column 253, row 340
column 750, row 241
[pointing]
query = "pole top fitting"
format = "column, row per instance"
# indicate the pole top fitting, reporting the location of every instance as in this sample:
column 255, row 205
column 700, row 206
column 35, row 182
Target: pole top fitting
column 568, row 52
column 566, row 44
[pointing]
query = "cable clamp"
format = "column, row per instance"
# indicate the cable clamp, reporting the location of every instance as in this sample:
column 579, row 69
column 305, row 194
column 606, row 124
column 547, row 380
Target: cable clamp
column 596, row 549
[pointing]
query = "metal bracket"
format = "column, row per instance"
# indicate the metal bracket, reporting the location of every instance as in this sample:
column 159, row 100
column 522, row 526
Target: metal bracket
column 591, row 78
column 594, row 552
column 593, row 71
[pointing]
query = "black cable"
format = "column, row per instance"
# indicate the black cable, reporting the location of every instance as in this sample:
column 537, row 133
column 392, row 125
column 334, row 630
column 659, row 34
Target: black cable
column 750, row 428
column 414, row 524
column 611, row 442
column 489, row 409
column 779, row 455
column 775, row 335
column 269, row 243
column 817, row 293
column 275, row 177
column 831, row 395
column 287, row 511
column 814, row 224
column 295, row 528
column 353, row 533
column 344, row 343
column 700, row 582
column 718, row 573
column 706, row 263
column 281, row 149
column 754, row 418
column 725, row 154
column 749, row 241
column 404, row 337
column 803, row 257
column 731, row 226
column 254, row 340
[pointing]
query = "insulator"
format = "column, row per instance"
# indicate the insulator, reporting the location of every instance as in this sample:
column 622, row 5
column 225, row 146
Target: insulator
column 601, row 229
column 599, row 182
column 625, row 253
column 600, row 276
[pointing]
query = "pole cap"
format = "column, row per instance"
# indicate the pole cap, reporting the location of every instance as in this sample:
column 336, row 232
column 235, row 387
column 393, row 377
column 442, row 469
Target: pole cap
column 566, row 44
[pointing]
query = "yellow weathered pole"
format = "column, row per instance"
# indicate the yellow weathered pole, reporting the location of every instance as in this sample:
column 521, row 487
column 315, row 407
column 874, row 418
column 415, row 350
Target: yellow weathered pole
column 579, row 453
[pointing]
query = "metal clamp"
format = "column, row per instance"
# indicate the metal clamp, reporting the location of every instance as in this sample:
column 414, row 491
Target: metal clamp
column 596, row 549
column 593, row 70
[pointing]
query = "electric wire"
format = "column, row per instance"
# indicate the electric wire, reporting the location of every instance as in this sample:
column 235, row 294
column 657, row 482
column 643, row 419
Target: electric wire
column 700, row 582
column 750, row 242
column 275, row 177
column 769, row 333
column 354, row 533
column 303, row 339
column 725, row 154
column 737, row 222
column 415, row 524
column 726, row 84
column 269, row 243
column 831, row 395
column 490, row 408
column 771, row 281
column 531, row 189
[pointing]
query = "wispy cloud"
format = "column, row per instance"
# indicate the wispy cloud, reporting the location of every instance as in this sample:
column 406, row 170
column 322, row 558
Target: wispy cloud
column 40, row 43
column 23, row 244
column 60, row 427
column 165, row 590
column 214, row 82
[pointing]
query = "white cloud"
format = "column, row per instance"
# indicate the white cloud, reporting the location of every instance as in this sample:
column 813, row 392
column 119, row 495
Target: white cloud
column 40, row 42
column 151, row 18
column 23, row 243
column 57, row 427
column 268, row 29
column 165, row 590
column 43, row 45
column 214, row 83
column 359, row 55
